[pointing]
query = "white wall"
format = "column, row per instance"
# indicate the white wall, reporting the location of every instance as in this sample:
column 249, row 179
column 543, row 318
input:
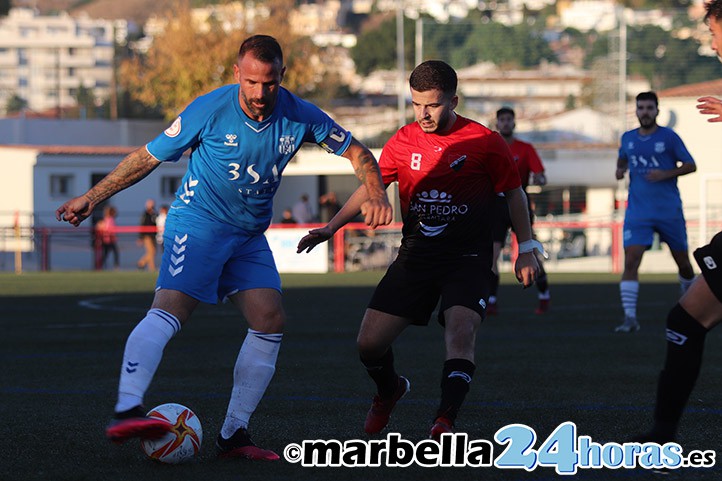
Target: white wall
column 130, row 202
column 704, row 141
column 17, row 168
column 592, row 166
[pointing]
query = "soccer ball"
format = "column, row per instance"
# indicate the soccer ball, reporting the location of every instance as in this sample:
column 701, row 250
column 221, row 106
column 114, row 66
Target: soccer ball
column 182, row 442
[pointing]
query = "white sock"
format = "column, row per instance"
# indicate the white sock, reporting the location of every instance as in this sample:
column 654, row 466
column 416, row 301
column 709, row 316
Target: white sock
column 143, row 352
column 629, row 291
column 254, row 369
column 685, row 283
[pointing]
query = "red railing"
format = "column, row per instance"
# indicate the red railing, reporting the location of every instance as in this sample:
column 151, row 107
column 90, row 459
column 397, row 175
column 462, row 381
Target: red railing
column 44, row 238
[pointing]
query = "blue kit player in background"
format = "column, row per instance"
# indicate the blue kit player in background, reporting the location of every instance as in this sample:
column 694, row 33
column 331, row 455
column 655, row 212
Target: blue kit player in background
column 655, row 157
column 241, row 137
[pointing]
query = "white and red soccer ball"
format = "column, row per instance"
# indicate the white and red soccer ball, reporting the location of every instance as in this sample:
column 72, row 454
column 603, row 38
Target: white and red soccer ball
column 182, row 442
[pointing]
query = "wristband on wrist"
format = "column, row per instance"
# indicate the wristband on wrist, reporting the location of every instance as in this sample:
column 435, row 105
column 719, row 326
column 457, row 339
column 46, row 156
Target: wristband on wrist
column 530, row 245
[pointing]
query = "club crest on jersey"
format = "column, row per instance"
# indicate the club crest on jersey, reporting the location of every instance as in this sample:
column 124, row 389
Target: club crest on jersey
column 630, row 145
column 174, row 129
column 458, row 163
column 659, row 147
column 286, row 144
column 231, row 140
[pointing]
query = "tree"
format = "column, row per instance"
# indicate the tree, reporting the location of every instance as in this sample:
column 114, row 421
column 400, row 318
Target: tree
column 663, row 4
column 667, row 61
column 376, row 47
column 16, row 104
column 186, row 61
column 86, row 102
column 520, row 46
column 182, row 63
column 461, row 44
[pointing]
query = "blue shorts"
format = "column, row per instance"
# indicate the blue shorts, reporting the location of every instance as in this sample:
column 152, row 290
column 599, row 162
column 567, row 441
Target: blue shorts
column 672, row 231
column 210, row 260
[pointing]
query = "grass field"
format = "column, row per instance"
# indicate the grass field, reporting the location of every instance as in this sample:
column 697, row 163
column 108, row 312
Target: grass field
column 62, row 338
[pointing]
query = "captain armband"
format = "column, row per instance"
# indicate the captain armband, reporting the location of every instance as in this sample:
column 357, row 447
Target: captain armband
column 530, row 246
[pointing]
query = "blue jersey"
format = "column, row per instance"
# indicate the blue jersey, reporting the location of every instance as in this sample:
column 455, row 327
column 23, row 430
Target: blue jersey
column 660, row 150
column 236, row 162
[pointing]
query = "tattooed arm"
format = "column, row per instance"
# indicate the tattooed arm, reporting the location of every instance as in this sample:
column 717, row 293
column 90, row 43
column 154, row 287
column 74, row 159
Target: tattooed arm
column 370, row 198
column 133, row 168
column 376, row 208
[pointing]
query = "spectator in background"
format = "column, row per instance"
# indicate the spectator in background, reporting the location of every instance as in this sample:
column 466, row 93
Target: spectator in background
column 287, row 216
column 106, row 231
column 160, row 224
column 147, row 239
column 328, row 206
column 302, row 210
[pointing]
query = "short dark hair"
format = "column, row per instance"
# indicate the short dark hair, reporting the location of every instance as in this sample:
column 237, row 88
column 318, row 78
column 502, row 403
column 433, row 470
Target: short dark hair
column 434, row 74
column 714, row 10
column 262, row 47
column 505, row 110
column 648, row 96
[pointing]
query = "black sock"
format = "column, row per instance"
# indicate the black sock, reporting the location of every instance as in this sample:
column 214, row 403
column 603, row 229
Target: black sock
column 542, row 284
column 494, row 287
column 455, row 381
column 685, row 344
column 383, row 373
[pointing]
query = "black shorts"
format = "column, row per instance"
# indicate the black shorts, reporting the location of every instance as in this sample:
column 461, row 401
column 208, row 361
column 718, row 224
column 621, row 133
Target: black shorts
column 501, row 222
column 709, row 259
column 412, row 289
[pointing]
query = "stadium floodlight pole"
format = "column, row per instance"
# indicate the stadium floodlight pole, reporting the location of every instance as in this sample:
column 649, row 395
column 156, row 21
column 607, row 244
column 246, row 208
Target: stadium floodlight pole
column 622, row 186
column 622, row 69
column 419, row 41
column 401, row 76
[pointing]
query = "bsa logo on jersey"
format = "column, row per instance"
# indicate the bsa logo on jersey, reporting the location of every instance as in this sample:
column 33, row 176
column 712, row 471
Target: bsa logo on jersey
column 659, row 147
column 174, row 129
column 286, row 144
column 231, row 140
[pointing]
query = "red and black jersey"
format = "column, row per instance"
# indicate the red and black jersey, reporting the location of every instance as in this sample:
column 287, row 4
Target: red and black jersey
column 527, row 160
column 446, row 185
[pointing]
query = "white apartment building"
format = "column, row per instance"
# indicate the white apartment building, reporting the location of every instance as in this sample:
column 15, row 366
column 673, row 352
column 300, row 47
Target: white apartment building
column 602, row 15
column 543, row 91
column 46, row 59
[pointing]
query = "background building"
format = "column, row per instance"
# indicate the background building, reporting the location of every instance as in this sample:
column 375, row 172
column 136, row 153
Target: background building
column 46, row 61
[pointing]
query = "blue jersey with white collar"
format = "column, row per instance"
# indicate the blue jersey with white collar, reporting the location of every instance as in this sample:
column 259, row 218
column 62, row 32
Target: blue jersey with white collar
column 660, row 150
column 236, row 162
